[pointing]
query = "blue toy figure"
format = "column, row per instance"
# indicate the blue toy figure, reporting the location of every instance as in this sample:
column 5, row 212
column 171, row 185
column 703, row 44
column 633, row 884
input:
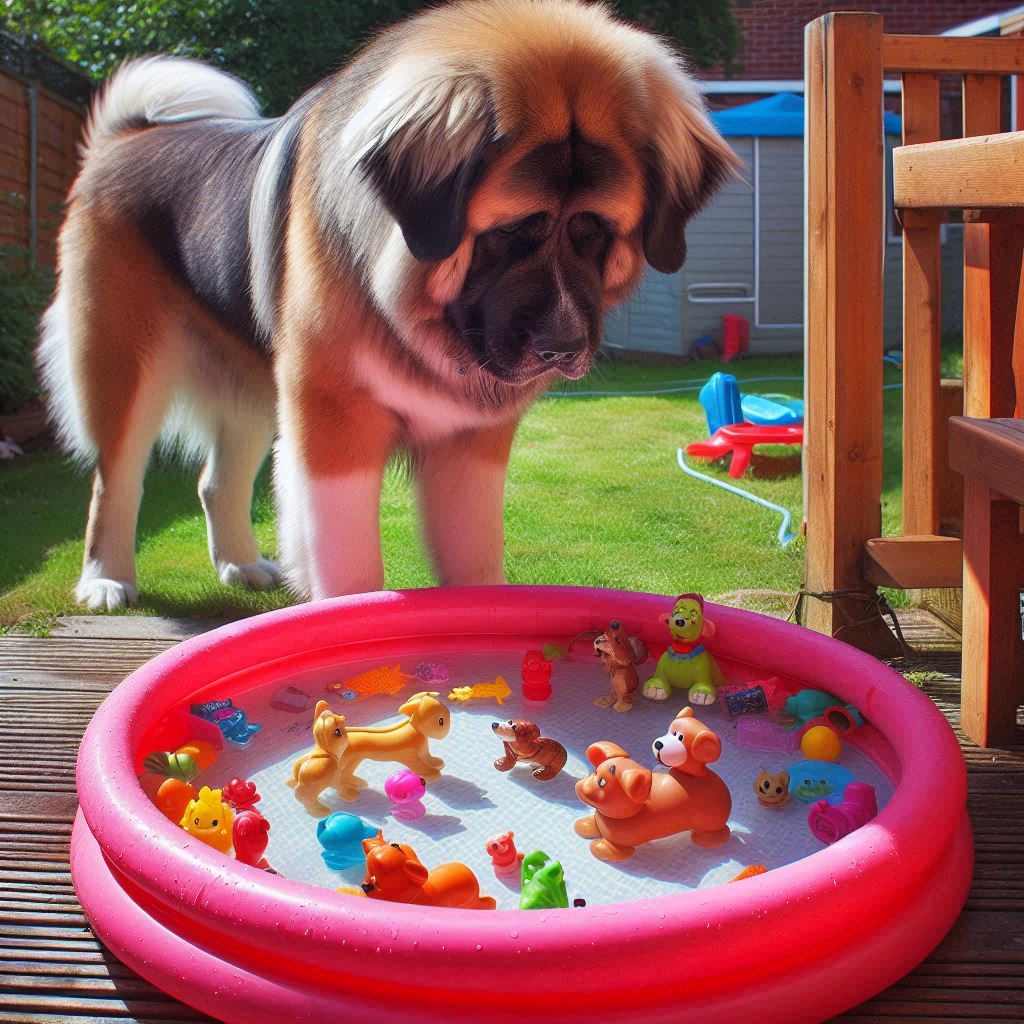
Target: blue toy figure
column 810, row 781
column 341, row 835
column 231, row 721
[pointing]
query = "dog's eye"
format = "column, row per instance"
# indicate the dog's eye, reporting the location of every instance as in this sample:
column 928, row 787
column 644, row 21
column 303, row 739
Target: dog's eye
column 601, row 783
column 337, row 732
column 396, row 846
column 590, row 234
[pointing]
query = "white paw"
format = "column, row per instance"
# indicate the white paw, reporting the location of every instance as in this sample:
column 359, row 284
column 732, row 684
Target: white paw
column 656, row 693
column 99, row 594
column 263, row 574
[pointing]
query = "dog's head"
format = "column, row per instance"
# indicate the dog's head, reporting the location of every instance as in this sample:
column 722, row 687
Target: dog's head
column 688, row 745
column 515, row 731
column 500, row 846
column 393, row 871
column 329, row 730
column 686, row 620
column 619, row 786
column 533, row 157
column 429, row 715
column 614, row 646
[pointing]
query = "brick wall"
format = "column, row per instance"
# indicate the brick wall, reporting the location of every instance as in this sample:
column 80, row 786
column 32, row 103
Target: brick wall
column 773, row 30
column 58, row 127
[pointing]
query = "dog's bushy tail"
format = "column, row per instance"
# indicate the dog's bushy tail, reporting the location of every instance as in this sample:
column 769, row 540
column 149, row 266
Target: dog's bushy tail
column 164, row 90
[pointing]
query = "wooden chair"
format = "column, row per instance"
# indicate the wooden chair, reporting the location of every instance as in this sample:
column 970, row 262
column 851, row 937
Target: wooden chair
column 990, row 455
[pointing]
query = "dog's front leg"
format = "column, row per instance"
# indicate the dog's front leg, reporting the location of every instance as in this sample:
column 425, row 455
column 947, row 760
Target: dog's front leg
column 329, row 467
column 461, row 484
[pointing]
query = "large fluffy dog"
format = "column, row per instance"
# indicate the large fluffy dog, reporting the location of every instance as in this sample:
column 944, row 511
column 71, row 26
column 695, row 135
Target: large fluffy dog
column 403, row 261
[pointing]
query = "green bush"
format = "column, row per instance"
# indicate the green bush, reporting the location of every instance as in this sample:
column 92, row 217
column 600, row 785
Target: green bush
column 24, row 293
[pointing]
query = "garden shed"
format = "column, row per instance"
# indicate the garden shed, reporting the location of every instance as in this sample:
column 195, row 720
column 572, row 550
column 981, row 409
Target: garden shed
column 746, row 250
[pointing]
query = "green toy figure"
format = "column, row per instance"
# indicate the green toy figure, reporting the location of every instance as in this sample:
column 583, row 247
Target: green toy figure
column 687, row 664
column 543, row 883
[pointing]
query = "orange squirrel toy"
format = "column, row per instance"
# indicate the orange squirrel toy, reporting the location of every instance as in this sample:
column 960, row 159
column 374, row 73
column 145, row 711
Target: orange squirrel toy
column 394, row 873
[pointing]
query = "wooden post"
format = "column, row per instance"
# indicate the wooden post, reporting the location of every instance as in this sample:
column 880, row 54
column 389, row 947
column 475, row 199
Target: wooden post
column 922, row 329
column 992, row 660
column 844, row 345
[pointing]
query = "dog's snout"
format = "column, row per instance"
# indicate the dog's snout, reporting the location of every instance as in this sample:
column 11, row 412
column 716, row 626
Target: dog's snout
column 494, row 725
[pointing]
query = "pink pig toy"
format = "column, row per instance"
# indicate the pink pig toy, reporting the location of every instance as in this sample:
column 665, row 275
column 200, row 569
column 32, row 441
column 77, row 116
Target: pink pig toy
column 405, row 790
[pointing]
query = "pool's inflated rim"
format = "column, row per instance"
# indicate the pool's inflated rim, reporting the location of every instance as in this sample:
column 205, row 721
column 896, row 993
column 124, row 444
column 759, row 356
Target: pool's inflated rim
column 801, row 942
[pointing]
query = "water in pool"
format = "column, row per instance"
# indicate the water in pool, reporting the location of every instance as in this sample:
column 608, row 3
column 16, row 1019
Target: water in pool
column 473, row 801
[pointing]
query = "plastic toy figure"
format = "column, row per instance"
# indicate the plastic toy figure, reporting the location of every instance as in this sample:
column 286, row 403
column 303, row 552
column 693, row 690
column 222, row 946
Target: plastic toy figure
column 394, row 873
column 231, row 721
column 830, row 822
column 249, row 836
column 773, row 790
column 523, row 742
column 620, row 653
column 812, row 780
column 543, row 883
column 687, row 664
column 505, row 859
column 498, row 690
column 405, row 742
column 405, row 790
column 241, row 794
column 536, row 675
column 318, row 770
column 341, row 835
column 173, row 797
column 633, row 806
column 209, row 819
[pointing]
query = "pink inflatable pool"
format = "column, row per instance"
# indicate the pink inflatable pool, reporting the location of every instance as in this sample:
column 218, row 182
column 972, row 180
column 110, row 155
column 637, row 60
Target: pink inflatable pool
column 801, row 942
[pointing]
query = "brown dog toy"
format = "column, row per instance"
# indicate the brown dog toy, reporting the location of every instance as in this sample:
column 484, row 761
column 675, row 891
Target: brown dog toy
column 318, row 770
column 634, row 805
column 619, row 652
column 394, row 873
column 523, row 742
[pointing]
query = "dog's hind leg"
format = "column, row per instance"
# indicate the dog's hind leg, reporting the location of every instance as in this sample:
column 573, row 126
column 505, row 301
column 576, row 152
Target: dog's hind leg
column 106, row 359
column 239, row 447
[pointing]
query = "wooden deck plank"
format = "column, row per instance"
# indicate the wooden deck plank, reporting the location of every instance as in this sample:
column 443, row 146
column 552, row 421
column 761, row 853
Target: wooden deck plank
column 53, row 969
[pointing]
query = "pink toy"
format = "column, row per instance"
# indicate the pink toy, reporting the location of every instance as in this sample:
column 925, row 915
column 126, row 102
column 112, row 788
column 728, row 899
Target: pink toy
column 536, row 676
column 757, row 732
column 405, row 790
column 249, row 838
column 830, row 822
column 240, row 794
column 505, row 859
column 258, row 949
column 739, row 439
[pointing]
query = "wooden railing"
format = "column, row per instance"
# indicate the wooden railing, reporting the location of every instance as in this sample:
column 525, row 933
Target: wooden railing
column 847, row 56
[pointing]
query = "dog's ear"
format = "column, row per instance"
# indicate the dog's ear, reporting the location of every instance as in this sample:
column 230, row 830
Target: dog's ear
column 415, row 872
column 421, row 138
column 686, row 712
column 598, row 753
column 685, row 162
column 636, row 783
column 706, row 747
column 321, row 707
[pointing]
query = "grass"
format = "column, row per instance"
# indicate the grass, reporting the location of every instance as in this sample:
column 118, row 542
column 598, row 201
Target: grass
column 594, row 498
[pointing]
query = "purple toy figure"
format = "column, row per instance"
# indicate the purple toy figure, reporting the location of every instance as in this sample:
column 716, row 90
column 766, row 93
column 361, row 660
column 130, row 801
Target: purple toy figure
column 830, row 822
column 405, row 790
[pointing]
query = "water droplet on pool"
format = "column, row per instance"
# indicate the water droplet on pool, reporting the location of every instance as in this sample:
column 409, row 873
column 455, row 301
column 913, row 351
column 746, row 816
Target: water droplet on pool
column 479, row 947
column 394, row 933
column 514, row 935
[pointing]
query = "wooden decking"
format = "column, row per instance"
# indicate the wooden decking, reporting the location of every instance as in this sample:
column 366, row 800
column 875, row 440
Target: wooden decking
column 53, row 969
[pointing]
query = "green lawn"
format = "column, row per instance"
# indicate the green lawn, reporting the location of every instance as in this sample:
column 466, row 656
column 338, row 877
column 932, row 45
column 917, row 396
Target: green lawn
column 594, row 498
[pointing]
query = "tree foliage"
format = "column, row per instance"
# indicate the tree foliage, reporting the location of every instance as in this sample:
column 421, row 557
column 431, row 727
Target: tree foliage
column 281, row 47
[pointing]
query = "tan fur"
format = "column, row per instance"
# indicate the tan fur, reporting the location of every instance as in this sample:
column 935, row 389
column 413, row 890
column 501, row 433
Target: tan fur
column 318, row 770
column 405, row 743
column 523, row 742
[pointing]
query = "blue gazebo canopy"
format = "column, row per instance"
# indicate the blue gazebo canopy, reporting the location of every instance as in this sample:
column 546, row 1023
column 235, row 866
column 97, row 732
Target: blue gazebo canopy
column 778, row 116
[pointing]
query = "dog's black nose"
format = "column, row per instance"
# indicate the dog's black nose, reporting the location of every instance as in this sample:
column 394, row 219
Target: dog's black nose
column 367, row 887
column 494, row 725
column 616, row 625
column 658, row 744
